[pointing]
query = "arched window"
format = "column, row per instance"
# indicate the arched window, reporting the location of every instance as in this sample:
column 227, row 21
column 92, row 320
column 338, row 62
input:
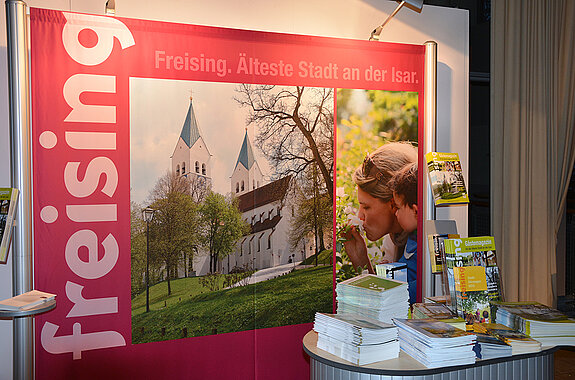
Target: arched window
column 177, row 170
column 243, row 186
column 183, row 168
column 197, row 167
column 269, row 241
column 203, row 169
column 237, row 187
column 253, row 184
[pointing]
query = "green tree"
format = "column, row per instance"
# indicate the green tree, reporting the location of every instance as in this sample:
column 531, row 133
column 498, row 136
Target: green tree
column 222, row 227
column 313, row 214
column 173, row 231
column 394, row 114
column 295, row 128
column 138, row 249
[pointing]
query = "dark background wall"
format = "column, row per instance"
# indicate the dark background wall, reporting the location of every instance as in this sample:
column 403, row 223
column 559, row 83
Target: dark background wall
column 479, row 173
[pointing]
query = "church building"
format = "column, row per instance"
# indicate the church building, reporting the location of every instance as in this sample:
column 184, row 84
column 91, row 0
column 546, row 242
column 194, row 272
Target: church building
column 267, row 208
column 191, row 155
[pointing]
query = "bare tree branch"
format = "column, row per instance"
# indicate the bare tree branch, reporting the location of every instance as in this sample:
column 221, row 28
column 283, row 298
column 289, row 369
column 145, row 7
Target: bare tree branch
column 295, row 128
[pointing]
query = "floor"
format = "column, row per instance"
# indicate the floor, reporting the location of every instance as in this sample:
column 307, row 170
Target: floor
column 565, row 364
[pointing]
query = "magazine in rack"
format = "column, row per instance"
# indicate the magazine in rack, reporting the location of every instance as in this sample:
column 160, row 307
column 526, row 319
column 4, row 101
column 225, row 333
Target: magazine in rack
column 8, row 203
column 473, row 277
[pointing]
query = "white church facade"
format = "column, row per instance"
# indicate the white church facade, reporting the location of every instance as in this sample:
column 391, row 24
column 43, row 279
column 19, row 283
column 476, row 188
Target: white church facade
column 267, row 207
column 191, row 155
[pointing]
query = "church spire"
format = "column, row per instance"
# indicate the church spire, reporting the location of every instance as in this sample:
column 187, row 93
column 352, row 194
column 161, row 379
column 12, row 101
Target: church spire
column 190, row 130
column 246, row 156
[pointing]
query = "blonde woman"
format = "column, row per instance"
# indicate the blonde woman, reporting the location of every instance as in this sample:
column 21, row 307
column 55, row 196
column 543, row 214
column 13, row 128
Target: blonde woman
column 376, row 206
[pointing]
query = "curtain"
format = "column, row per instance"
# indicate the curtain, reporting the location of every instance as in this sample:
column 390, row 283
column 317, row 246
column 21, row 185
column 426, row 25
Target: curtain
column 532, row 139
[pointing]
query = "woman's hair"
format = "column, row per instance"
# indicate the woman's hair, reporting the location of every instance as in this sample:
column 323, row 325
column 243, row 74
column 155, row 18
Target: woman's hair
column 404, row 184
column 380, row 166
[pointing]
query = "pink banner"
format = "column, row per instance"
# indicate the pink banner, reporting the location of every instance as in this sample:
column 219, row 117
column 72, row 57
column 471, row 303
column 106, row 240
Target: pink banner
column 81, row 71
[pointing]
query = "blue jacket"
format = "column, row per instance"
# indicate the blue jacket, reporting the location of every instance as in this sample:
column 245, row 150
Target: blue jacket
column 409, row 257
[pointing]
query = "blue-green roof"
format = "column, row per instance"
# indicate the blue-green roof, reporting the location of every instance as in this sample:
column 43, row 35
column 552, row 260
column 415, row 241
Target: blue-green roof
column 190, row 131
column 246, row 156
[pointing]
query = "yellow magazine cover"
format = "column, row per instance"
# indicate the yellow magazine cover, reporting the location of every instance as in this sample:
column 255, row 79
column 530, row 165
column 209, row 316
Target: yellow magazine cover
column 473, row 276
column 446, row 178
column 437, row 249
column 8, row 203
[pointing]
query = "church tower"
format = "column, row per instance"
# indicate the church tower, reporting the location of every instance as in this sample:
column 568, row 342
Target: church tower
column 247, row 174
column 191, row 156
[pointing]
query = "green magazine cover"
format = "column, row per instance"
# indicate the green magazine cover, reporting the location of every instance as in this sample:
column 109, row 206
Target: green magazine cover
column 473, row 276
column 446, row 178
column 372, row 282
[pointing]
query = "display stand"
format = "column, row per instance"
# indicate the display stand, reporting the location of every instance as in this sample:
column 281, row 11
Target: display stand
column 39, row 309
column 18, row 316
column 324, row 366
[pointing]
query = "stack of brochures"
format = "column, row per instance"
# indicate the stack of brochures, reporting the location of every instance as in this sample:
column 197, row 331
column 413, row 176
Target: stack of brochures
column 519, row 342
column 356, row 339
column 548, row 326
column 373, row 297
column 26, row 301
column 490, row 347
column 434, row 343
column 437, row 311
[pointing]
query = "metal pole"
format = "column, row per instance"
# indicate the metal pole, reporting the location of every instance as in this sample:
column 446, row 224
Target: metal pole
column 147, row 266
column 430, row 117
column 20, row 173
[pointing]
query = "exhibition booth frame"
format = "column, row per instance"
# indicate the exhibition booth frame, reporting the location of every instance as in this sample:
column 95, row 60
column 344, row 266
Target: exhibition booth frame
column 94, row 303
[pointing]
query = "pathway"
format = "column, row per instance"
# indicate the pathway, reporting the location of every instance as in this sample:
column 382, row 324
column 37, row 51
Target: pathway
column 269, row 273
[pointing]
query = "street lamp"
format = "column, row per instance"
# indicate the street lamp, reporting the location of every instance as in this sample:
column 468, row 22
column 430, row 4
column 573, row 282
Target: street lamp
column 148, row 214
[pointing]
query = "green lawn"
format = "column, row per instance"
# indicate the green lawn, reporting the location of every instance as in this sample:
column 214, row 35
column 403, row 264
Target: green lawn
column 182, row 289
column 324, row 257
column 290, row 299
column 451, row 195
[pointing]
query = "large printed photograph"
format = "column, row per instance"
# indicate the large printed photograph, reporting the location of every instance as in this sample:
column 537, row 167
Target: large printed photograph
column 231, row 207
column 376, row 202
column 184, row 187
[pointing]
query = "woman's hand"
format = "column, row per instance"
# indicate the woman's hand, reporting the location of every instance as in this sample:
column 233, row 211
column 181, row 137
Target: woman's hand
column 356, row 249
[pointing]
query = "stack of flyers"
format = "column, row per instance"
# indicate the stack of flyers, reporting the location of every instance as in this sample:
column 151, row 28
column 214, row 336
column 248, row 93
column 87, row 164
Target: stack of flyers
column 434, row 343
column 373, row 297
column 437, row 311
column 356, row 339
column 519, row 342
column 490, row 347
column 547, row 325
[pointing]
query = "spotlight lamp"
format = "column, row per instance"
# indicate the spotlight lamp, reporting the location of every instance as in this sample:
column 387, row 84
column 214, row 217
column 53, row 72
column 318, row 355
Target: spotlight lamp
column 415, row 5
column 111, row 7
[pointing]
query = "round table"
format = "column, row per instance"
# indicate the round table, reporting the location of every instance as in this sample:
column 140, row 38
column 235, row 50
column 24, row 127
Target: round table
column 325, row 366
column 38, row 309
